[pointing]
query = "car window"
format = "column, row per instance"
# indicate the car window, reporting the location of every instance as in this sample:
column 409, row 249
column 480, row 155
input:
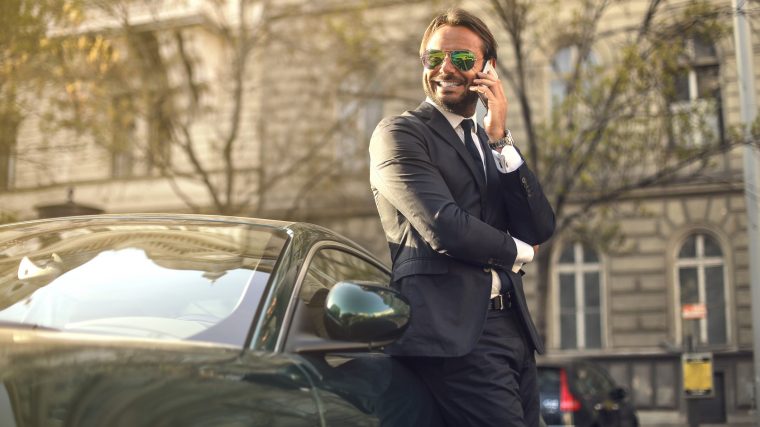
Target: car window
column 139, row 280
column 548, row 380
column 328, row 267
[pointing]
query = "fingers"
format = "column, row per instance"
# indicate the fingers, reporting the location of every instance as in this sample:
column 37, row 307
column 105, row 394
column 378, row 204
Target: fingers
column 488, row 80
column 490, row 87
column 483, row 89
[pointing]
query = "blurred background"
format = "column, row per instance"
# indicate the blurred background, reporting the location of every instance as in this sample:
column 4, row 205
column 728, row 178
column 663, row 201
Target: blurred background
column 629, row 111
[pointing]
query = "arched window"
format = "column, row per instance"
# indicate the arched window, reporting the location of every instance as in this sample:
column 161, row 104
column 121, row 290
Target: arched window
column 580, row 298
column 695, row 106
column 702, row 289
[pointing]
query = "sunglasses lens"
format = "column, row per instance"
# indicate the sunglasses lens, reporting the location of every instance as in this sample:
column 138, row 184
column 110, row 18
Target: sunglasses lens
column 433, row 58
column 463, row 59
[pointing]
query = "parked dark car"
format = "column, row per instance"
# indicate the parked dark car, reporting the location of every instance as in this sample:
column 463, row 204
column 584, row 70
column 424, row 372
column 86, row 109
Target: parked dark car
column 185, row 320
column 580, row 393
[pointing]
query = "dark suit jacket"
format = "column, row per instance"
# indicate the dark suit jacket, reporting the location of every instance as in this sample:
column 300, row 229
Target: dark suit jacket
column 447, row 229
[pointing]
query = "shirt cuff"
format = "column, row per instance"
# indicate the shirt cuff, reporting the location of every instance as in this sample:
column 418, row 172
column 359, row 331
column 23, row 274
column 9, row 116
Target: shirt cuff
column 509, row 160
column 524, row 254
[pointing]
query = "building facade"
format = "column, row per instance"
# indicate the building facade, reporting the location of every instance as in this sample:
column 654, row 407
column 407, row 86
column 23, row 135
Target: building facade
column 677, row 277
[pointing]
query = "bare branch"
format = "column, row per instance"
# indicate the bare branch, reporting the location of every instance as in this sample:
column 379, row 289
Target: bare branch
column 660, row 177
column 188, row 147
column 172, row 178
column 599, row 125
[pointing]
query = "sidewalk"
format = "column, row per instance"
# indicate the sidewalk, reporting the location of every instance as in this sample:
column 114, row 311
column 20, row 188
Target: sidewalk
column 672, row 419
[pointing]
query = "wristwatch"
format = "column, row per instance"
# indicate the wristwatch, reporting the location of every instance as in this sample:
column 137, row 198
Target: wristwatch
column 502, row 142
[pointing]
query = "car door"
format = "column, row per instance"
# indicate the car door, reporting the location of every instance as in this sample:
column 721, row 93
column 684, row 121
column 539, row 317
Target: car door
column 362, row 386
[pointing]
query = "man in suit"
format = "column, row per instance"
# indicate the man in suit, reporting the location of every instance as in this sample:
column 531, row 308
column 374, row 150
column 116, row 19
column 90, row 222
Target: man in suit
column 462, row 212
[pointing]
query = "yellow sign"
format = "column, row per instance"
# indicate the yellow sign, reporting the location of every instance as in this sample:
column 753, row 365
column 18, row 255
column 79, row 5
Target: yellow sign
column 697, row 374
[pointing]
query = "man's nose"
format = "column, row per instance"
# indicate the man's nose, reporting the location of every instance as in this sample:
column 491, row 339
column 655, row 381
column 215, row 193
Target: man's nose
column 447, row 66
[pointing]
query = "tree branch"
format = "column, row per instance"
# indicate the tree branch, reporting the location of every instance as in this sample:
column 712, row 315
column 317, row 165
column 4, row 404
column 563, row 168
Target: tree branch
column 660, row 177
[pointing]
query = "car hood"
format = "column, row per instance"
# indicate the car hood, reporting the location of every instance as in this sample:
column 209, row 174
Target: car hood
column 52, row 378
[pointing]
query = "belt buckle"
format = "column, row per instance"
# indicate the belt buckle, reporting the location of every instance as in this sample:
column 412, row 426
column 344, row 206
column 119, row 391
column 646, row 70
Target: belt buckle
column 497, row 302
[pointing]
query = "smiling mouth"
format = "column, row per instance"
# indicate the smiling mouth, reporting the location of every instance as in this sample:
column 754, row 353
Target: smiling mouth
column 447, row 84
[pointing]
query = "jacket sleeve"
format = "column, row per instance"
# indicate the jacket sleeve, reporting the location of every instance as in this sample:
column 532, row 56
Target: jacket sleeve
column 402, row 172
column 531, row 218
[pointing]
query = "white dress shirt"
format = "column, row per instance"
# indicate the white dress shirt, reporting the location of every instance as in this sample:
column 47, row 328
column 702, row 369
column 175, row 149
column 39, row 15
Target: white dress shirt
column 508, row 161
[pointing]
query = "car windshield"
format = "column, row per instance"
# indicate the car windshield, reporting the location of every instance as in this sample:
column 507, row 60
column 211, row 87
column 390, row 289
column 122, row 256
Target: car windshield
column 161, row 280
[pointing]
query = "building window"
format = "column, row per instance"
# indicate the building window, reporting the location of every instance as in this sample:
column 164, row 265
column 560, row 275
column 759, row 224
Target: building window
column 155, row 101
column 10, row 120
column 563, row 70
column 359, row 111
column 702, row 288
column 580, row 298
column 140, row 143
column 695, row 105
column 159, row 124
column 123, row 136
column 7, row 165
column 122, row 164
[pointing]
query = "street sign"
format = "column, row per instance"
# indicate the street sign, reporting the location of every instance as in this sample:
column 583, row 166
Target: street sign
column 694, row 311
column 697, row 375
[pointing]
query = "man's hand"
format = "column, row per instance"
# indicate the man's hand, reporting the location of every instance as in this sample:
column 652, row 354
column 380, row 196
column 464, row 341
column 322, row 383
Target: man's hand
column 489, row 85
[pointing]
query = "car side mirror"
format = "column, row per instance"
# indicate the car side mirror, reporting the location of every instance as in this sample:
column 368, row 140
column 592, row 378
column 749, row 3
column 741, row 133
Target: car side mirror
column 618, row 394
column 365, row 312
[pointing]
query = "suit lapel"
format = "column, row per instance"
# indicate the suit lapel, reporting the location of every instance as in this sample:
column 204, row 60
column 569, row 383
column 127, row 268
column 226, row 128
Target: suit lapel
column 438, row 124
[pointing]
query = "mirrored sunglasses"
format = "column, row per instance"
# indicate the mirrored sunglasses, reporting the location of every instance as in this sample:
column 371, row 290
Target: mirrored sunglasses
column 462, row 59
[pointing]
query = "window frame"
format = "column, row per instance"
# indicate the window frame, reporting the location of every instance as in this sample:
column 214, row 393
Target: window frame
column 579, row 269
column 696, row 104
column 677, row 263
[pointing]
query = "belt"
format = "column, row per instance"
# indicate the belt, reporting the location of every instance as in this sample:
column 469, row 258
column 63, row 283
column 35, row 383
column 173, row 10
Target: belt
column 501, row 301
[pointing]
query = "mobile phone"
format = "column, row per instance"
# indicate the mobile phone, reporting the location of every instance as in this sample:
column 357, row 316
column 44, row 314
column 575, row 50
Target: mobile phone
column 488, row 68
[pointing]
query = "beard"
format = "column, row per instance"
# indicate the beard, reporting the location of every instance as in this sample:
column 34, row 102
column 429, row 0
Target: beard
column 464, row 105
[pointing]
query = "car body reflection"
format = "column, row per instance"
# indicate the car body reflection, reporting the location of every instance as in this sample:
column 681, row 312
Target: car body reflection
column 125, row 320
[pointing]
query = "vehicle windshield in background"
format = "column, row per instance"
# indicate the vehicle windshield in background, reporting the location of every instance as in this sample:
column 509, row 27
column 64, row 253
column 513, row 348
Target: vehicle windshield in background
column 138, row 279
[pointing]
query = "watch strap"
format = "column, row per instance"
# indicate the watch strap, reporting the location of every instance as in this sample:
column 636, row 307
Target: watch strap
column 502, row 142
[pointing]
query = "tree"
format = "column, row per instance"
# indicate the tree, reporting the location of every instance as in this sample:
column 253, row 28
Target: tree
column 253, row 126
column 613, row 128
column 31, row 61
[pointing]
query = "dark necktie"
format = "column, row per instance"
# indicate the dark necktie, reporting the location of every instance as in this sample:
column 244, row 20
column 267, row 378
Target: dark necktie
column 467, row 125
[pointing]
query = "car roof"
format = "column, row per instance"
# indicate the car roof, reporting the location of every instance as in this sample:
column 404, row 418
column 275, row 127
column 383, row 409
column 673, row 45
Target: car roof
column 151, row 216
column 307, row 233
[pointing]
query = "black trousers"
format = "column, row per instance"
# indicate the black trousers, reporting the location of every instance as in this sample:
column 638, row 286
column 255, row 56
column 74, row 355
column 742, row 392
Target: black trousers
column 494, row 385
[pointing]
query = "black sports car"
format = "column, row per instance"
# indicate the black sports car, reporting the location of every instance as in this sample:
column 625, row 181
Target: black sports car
column 189, row 320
